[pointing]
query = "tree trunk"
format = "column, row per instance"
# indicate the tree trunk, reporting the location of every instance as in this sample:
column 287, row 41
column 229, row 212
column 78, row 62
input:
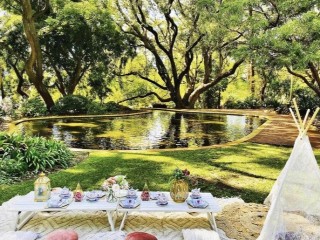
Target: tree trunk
column 3, row 95
column 263, row 87
column 251, row 78
column 34, row 63
column 20, row 80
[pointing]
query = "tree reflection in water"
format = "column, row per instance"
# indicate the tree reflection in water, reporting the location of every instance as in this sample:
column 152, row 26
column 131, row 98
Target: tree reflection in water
column 160, row 129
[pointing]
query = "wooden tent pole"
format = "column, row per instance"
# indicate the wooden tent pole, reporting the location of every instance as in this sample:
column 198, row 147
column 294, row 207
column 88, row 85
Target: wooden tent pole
column 311, row 121
column 305, row 118
column 296, row 122
column 298, row 113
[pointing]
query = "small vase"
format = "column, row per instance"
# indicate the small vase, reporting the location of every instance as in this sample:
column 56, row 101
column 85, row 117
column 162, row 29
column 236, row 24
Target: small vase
column 179, row 190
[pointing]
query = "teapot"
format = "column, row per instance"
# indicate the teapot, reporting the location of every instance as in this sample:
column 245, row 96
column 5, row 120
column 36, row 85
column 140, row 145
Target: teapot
column 195, row 192
column 131, row 192
column 65, row 191
column 162, row 198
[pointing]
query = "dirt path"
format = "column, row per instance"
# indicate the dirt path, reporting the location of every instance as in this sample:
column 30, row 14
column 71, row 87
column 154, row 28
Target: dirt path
column 279, row 130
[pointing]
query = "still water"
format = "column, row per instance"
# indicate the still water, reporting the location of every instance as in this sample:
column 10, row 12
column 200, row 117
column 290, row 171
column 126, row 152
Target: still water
column 157, row 130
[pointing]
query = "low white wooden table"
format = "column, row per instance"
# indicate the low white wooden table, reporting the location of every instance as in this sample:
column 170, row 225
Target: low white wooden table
column 26, row 208
column 151, row 206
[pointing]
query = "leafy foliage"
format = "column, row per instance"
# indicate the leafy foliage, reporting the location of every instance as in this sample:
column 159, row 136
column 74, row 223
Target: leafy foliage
column 307, row 100
column 20, row 154
column 71, row 104
column 248, row 103
column 33, row 107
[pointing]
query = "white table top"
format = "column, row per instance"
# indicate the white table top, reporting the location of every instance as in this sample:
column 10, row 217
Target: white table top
column 27, row 203
column 151, row 206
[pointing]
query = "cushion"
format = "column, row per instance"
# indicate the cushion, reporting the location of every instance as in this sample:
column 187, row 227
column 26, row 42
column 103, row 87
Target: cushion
column 200, row 234
column 19, row 235
column 140, row 236
column 107, row 235
column 62, row 235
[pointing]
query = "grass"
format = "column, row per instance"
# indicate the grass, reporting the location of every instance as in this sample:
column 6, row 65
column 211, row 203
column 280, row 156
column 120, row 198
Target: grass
column 247, row 170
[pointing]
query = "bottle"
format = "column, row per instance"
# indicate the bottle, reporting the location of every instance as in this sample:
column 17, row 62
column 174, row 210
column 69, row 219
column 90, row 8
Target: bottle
column 145, row 195
column 78, row 193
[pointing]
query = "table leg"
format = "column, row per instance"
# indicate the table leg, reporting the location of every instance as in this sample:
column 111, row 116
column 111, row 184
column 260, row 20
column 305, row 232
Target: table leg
column 22, row 220
column 17, row 221
column 110, row 219
column 212, row 221
column 123, row 220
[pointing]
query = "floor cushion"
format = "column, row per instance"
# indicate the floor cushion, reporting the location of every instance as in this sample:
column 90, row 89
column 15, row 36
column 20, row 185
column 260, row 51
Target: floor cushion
column 140, row 236
column 62, row 235
column 200, row 234
column 105, row 235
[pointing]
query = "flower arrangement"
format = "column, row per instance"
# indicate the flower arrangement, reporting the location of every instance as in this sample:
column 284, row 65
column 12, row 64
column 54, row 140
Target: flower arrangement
column 118, row 181
column 179, row 174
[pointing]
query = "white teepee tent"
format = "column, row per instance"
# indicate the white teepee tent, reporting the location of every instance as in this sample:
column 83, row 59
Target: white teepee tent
column 294, row 200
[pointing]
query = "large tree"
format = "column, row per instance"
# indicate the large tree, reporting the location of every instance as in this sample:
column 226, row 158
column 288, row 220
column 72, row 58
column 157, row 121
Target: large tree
column 289, row 37
column 190, row 52
column 79, row 37
column 14, row 50
column 32, row 11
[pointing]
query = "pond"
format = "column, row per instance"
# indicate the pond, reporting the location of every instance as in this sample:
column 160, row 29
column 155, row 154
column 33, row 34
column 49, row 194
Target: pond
column 157, row 130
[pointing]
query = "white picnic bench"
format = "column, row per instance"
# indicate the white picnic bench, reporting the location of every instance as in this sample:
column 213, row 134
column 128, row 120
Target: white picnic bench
column 26, row 208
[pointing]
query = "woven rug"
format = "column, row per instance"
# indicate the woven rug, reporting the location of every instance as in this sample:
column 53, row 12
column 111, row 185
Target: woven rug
column 88, row 224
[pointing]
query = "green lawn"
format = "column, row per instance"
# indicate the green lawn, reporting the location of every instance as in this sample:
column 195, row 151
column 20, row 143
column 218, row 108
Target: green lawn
column 246, row 170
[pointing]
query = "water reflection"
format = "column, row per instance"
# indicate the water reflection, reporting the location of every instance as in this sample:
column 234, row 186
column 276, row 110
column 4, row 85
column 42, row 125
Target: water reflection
column 156, row 130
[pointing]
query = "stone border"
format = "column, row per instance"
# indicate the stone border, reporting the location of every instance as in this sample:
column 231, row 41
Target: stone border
column 79, row 116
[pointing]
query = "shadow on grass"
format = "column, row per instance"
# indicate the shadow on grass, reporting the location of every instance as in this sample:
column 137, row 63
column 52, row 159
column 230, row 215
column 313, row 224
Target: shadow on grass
column 247, row 170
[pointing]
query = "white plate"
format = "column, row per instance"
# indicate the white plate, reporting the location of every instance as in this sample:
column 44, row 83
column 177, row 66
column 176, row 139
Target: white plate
column 161, row 204
column 132, row 196
column 58, row 204
column 197, row 203
column 129, row 203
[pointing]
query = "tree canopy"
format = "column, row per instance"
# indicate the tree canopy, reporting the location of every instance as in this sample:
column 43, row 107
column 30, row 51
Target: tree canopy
column 183, row 52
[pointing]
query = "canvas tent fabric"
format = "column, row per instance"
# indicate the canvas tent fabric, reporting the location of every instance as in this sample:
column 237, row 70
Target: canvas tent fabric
column 294, row 200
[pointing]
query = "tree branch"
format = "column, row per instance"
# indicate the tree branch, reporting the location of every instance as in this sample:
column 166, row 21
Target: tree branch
column 142, row 77
column 305, row 80
column 147, row 95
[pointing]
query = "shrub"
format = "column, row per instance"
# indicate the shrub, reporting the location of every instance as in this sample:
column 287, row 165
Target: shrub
column 231, row 103
column 252, row 102
column 248, row 103
column 96, row 108
column 33, row 107
column 159, row 105
column 115, row 107
column 306, row 99
column 272, row 103
column 71, row 104
column 283, row 109
column 19, row 154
